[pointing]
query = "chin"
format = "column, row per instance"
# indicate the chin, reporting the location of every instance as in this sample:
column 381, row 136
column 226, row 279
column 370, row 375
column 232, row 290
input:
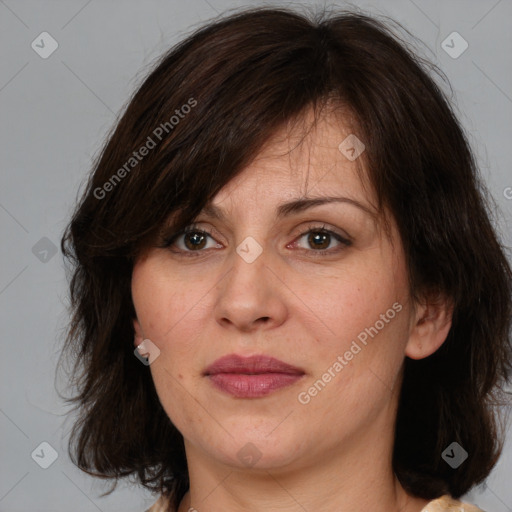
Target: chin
column 250, row 450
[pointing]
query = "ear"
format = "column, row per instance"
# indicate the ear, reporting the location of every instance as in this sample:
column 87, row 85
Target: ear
column 430, row 327
column 139, row 335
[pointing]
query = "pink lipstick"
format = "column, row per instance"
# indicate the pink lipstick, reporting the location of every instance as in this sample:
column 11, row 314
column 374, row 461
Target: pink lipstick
column 251, row 377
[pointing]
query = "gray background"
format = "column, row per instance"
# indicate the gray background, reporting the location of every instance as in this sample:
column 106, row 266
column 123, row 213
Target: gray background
column 55, row 113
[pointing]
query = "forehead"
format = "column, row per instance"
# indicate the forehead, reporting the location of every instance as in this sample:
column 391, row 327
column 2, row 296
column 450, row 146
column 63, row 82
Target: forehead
column 304, row 159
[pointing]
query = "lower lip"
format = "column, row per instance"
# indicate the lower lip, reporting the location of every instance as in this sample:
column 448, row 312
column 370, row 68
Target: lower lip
column 252, row 386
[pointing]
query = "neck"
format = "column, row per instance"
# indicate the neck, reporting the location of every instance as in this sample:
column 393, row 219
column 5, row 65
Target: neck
column 355, row 475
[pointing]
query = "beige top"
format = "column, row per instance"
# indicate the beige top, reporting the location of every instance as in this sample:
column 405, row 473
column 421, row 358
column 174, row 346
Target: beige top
column 442, row 504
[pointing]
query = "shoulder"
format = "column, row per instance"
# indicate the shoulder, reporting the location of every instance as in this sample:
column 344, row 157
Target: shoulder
column 161, row 505
column 447, row 504
column 443, row 504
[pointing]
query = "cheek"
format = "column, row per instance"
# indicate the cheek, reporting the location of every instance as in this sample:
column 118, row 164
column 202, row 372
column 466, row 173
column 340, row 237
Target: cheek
column 345, row 306
column 364, row 318
column 164, row 304
column 165, row 311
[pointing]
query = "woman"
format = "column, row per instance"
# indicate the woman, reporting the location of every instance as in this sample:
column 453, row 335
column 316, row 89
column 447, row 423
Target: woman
column 287, row 291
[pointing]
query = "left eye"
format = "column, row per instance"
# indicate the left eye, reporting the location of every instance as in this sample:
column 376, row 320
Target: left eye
column 194, row 240
column 320, row 239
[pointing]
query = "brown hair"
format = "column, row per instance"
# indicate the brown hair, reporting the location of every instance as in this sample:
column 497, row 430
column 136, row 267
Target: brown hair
column 242, row 77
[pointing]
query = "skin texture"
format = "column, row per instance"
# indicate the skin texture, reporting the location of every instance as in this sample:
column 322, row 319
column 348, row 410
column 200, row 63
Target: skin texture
column 333, row 453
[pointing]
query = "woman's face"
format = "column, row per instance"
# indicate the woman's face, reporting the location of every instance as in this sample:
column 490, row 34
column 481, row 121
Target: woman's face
column 268, row 281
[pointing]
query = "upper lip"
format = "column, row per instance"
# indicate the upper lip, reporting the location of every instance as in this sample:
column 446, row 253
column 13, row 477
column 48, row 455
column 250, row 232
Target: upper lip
column 258, row 364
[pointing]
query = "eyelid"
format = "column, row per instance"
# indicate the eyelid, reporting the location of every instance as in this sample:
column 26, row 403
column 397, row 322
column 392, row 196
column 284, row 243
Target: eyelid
column 323, row 226
column 168, row 240
column 343, row 238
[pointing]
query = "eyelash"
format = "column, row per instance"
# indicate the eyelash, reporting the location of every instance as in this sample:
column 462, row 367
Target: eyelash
column 168, row 241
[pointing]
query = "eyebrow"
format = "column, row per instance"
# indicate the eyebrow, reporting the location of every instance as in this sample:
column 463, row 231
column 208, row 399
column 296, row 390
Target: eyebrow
column 296, row 206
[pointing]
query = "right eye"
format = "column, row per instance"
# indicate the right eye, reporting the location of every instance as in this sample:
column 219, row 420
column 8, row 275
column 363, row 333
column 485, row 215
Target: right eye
column 189, row 240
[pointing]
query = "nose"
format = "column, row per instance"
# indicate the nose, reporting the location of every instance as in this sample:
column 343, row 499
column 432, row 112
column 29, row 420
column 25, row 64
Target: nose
column 251, row 296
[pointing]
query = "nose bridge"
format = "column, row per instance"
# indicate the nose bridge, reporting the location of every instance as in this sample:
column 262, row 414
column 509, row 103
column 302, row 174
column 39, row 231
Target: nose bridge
column 248, row 267
column 248, row 293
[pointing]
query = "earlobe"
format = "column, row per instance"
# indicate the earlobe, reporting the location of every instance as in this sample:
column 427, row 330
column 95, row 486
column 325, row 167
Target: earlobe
column 139, row 335
column 430, row 329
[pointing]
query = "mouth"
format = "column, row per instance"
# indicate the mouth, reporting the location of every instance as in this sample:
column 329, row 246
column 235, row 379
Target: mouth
column 251, row 377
